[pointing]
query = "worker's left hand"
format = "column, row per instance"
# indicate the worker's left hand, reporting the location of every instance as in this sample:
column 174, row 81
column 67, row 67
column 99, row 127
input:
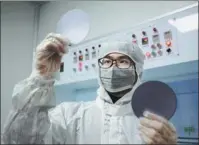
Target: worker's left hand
column 155, row 129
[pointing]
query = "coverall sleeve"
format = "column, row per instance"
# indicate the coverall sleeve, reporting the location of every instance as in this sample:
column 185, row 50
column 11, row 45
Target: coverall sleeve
column 29, row 120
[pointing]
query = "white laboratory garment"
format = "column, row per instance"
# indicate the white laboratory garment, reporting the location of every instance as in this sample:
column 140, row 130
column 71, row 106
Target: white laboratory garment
column 35, row 119
column 100, row 121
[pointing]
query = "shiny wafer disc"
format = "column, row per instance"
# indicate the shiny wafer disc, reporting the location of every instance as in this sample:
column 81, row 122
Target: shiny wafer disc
column 74, row 25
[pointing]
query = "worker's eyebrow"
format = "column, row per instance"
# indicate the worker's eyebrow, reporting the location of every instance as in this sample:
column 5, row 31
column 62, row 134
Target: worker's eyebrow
column 124, row 56
column 120, row 57
column 107, row 56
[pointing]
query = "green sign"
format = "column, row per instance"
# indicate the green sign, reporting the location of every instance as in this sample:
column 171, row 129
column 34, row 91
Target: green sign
column 189, row 129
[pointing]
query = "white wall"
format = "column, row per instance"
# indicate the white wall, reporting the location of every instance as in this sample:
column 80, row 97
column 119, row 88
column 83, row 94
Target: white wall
column 106, row 16
column 16, row 48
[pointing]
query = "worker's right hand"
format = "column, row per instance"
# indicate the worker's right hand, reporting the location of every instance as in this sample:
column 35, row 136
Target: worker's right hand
column 49, row 54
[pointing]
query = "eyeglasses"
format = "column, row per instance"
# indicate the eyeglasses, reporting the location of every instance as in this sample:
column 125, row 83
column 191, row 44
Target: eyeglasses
column 122, row 63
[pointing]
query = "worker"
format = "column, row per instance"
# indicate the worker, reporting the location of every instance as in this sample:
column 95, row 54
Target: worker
column 109, row 119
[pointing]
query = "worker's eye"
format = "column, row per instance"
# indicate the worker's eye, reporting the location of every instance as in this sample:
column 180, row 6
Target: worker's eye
column 124, row 61
column 106, row 61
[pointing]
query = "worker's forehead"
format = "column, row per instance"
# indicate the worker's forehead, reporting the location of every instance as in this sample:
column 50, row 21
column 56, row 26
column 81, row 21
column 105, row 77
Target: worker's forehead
column 116, row 55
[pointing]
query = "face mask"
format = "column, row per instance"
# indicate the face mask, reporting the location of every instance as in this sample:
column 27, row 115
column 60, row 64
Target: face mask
column 115, row 79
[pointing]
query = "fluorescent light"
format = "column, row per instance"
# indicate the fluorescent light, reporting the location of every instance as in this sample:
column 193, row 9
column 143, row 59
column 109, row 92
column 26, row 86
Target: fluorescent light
column 186, row 24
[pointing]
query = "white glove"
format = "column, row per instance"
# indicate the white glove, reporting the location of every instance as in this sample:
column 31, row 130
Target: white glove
column 155, row 129
column 49, row 53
